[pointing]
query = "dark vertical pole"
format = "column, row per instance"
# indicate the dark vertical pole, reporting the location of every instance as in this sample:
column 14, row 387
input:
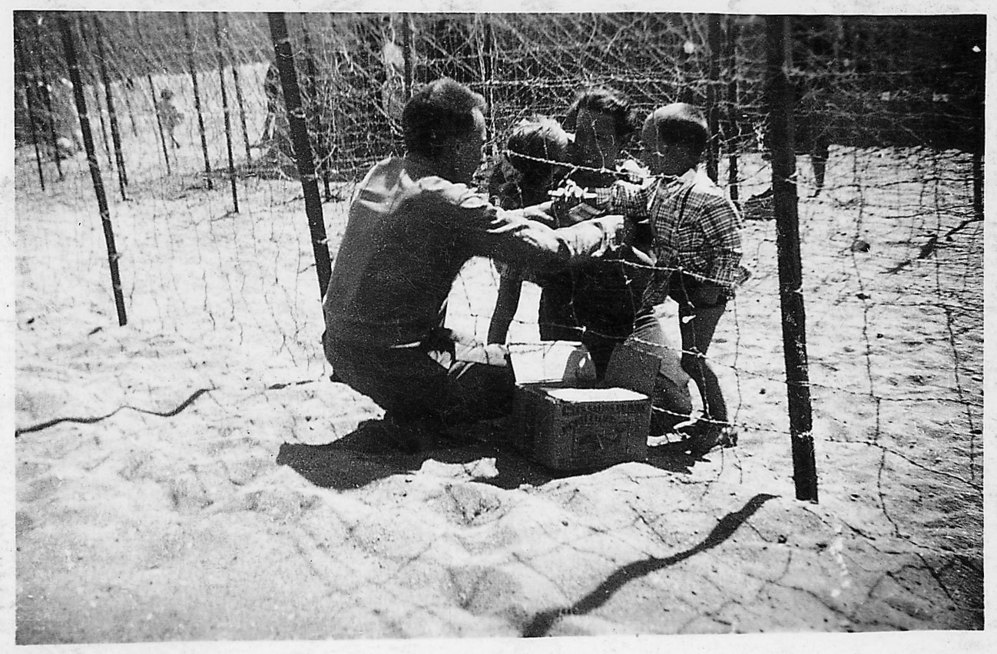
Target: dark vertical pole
column 129, row 85
column 119, row 158
column 155, row 109
column 225, row 111
column 29, row 98
column 733, row 109
column 238, row 96
column 407, row 54
column 96, row 92
column 714, row 36
column 302, row 149
column 47, row 96
column 98, row 184
column 197, row 98
column 780, row 108
column 315, row 108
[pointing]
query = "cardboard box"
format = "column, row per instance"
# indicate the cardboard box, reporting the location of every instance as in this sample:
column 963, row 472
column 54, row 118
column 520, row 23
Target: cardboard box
column 567, row 422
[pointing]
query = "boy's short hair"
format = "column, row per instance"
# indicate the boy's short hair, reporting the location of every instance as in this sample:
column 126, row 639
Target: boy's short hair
column 438, row 112
column 680, row 123
column 604, row 100
column 537, row 138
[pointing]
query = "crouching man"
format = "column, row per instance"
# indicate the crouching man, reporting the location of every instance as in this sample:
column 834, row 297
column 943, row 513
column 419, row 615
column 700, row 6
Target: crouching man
column 413, row 223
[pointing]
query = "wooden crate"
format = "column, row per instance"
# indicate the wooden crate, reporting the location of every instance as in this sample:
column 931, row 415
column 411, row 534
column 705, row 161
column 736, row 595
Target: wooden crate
column 570, row 428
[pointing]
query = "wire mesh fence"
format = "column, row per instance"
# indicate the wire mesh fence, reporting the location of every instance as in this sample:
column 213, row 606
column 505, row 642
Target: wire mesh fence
column 888, row 119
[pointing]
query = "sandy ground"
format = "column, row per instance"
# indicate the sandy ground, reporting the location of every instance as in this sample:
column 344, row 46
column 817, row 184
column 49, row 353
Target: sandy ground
column 195, row 475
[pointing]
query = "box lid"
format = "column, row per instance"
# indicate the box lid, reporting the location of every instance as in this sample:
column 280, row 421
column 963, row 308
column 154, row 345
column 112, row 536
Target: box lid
column 551, row 361
column 594, row 394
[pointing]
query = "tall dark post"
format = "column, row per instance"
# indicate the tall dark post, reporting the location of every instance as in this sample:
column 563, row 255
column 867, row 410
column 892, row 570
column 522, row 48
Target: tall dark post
column 197, row 98
column 407, row 54
column 84, row 37
column 119, row 158
column 313, row 113
column 129, row 85
column 98, row 184
column 30, row 100
column 152, row 89
column 715, row 38
column 733, row 135
column 238, row 97
column 302, row 149
column 779, row 97
column 225, row 111
column 47, row 97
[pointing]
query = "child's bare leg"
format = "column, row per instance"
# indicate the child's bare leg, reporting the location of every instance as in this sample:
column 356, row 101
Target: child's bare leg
column 697, row 326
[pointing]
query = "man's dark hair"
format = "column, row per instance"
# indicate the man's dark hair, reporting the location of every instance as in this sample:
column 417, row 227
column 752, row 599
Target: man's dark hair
column 438, row 112
column 604, row 100
column 681, row 124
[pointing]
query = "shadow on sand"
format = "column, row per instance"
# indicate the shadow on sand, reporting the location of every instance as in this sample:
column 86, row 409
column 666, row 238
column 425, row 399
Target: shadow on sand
column 373, row 452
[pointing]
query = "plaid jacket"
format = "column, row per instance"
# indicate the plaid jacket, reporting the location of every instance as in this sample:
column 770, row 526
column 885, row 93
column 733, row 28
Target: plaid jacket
column 696, row 228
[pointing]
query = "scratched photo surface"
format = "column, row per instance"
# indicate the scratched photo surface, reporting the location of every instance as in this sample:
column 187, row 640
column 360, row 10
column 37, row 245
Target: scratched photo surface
column 189, row 467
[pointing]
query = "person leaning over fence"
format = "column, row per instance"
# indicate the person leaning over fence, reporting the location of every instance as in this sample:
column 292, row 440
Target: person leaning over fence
column 412, row 224
column 523, row 176
column 697, row 241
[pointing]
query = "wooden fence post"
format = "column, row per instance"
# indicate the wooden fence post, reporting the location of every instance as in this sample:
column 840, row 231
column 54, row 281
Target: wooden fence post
column 238, row 95
column 715, row 38
column 191, row 64
column 780, row 106
column 313, row 113
column 119, row 158
column 302, row 148
column 47, row 96
column 225, row 111
column 85, row 39
column 733, row 135
column 29, row 99
column 98, row 184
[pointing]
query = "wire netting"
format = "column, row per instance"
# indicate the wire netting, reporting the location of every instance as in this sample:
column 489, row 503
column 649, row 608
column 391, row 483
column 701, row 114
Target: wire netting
column 889, row 124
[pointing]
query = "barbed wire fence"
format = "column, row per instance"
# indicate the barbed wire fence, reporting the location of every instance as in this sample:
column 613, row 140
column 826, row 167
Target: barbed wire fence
column 890, row 140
